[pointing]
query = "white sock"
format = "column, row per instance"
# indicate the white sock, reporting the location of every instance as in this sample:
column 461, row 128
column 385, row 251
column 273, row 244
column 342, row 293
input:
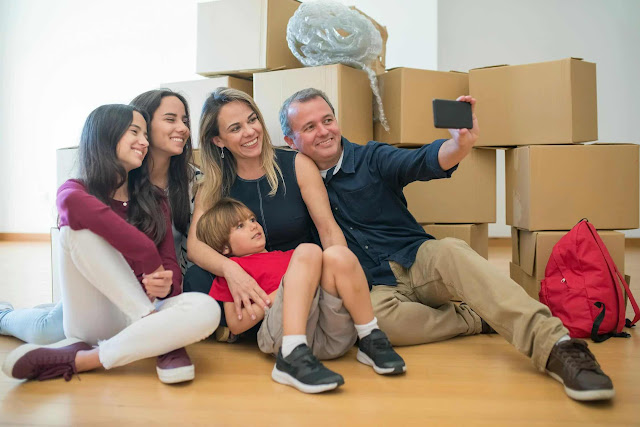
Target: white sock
column 364, row 330
column 290, row 342
column 564, row 338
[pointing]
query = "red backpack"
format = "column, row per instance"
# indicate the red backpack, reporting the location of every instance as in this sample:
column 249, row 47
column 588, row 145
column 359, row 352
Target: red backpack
column 582, row 286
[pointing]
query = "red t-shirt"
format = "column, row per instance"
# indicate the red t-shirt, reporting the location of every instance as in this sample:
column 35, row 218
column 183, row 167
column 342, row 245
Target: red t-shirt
column 267, row 268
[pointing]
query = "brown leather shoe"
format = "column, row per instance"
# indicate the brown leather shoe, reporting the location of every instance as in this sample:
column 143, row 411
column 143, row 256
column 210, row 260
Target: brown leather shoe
column 43, row 362
column 572, row 364
column 175, row 367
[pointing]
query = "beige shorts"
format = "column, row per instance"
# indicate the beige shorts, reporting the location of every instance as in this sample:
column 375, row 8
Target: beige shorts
column 330, row 329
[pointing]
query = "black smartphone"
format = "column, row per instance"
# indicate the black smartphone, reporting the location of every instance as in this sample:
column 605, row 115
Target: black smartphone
column 449, row 114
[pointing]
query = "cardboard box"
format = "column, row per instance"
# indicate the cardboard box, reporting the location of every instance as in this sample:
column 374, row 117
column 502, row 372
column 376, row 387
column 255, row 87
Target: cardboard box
column 531, row 249
column 544, row 103
column 348, row 90
column 66, row 164
column 553, row 187
column 468, row 197
column 406, row 96
column 476, row 235
column 244, row 36
column 530, row 284
column 197, row 91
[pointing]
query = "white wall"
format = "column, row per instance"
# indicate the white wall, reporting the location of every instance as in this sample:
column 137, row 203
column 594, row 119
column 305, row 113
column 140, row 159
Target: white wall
column 61, row 59
column 479, row 33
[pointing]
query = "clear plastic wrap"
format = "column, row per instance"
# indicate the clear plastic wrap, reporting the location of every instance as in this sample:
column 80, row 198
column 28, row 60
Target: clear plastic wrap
column 326, row 32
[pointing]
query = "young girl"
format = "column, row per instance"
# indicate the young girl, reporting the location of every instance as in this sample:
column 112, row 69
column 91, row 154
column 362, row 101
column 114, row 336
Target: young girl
column 170, row 149
column 291, row 280
column 120, row 279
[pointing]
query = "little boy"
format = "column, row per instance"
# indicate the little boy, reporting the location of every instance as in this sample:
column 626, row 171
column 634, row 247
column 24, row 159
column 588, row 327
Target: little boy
column 306, row 321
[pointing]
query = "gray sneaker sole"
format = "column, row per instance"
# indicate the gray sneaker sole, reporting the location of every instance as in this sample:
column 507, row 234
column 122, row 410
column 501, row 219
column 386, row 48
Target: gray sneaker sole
column 286, row 379
column 15, row 355
column 363, row 358
column 176, row 375
column 584, row 395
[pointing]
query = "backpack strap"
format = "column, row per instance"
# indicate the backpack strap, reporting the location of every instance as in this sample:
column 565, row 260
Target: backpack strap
column 595, row 336
column 615, row 273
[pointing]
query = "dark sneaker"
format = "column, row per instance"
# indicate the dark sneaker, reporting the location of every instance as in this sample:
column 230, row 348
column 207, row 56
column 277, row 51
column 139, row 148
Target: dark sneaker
column 376, row 351
column 486, row 328
column 44, row 362
column 571, row 363
column 302, row 370
column 175, row 367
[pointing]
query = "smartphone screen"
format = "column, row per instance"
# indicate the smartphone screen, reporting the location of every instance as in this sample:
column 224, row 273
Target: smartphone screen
column 449, row 114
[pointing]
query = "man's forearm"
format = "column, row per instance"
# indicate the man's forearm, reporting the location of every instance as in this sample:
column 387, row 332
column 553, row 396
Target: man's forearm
column 450, row 154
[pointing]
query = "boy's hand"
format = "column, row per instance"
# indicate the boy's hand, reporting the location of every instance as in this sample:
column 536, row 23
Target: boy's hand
column 158, row 283
column 244, row 289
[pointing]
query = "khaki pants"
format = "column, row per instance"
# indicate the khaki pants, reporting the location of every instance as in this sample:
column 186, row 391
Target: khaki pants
column 419, row 309
column 330, row 329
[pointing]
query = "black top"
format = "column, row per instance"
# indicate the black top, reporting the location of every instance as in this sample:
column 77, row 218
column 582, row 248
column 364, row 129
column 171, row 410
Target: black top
column 283, row 216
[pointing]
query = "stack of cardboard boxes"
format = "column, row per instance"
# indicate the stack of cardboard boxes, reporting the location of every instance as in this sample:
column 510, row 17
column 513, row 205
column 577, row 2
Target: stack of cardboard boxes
column 548, row 110
column 458, row 207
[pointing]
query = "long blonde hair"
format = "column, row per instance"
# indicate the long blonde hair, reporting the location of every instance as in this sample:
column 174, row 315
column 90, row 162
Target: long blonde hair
column 220, row 173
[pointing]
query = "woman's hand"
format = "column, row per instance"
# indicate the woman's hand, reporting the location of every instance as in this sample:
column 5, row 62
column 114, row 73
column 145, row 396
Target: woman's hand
column 158, row 283
column 244, row 289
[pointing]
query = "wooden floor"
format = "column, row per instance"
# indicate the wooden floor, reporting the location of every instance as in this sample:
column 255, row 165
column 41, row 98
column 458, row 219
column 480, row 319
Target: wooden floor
column 478, row 380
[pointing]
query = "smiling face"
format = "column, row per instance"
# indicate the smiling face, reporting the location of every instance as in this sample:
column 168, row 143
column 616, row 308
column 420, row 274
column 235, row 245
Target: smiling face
column 169, row 127
column 246, row 238
column 240, row 131
column 315, row 132
column 133, row 145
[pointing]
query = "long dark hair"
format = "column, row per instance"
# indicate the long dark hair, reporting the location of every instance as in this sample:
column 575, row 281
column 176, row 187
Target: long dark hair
column 102, row 173
column 180, row 173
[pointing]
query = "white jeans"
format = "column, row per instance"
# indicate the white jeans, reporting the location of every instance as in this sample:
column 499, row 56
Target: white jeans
column 104, row 304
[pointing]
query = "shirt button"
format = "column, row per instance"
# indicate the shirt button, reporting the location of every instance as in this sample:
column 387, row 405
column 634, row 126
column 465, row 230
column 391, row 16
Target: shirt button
column 366, row 247
column 335, row 209
column 350, row 228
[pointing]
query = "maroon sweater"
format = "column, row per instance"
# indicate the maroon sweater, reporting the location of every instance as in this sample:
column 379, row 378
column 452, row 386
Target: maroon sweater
column 82, row 211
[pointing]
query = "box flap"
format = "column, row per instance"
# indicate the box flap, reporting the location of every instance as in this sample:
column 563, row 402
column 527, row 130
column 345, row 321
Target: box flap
column 490, row 66
column 527, row 242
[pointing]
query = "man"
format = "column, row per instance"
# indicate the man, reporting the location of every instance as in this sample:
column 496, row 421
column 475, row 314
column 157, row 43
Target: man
column 413, row 276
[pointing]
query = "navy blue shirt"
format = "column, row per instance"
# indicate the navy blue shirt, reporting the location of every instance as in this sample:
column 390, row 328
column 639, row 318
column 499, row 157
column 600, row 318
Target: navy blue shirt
column 369, row 206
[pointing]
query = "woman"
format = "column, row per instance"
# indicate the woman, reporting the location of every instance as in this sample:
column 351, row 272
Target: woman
column 121, row 284
column 168, row 159
column 285, row 191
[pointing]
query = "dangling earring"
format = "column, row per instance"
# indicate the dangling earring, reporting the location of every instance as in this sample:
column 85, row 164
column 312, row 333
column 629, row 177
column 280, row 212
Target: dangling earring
column 222, row 152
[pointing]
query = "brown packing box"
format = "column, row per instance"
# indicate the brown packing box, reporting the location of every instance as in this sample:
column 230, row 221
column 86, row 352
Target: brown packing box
column 532, row 285
column 553, row 187
column 197, row 91
column 531, row 249
column 476, row 235
column 347, row 88
column 544, row 103
column 468, row 197
column 244, row 36
column 406, row 96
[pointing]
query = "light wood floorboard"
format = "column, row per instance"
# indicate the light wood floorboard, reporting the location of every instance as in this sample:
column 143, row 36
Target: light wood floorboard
column 479, row 380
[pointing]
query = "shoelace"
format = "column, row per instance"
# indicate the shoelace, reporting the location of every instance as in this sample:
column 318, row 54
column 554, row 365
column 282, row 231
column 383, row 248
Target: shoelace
column 65, row 370
column 580, row 357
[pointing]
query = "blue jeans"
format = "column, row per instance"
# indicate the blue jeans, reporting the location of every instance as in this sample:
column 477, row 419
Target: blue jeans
column 34, row 325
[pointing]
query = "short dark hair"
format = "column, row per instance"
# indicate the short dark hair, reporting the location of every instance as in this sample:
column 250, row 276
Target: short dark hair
column 214, row 226
column 303, row 95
